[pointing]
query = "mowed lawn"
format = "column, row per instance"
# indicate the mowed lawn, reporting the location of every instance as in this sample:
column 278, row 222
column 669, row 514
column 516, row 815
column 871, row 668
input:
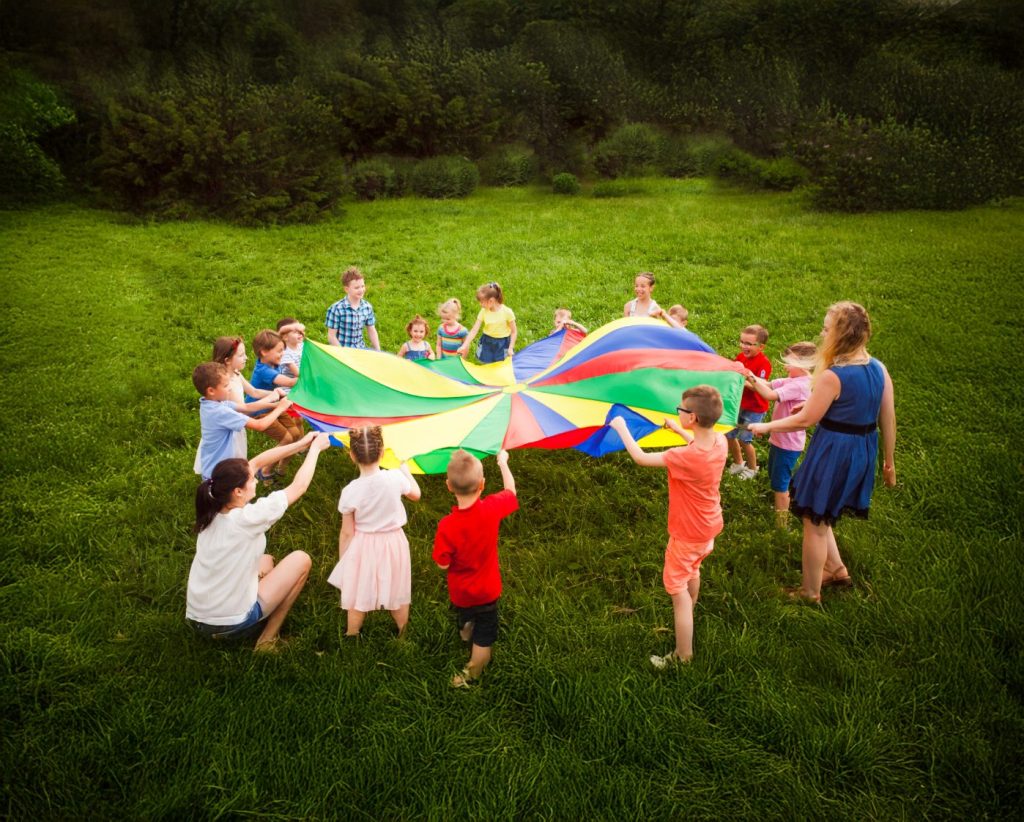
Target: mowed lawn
column 899, row 699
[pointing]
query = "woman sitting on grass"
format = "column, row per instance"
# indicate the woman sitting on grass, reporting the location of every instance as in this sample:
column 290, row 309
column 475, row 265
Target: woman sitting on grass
column 852, row 397
column 233, row 585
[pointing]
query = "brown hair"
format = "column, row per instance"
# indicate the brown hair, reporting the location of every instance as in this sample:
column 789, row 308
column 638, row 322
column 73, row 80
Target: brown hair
column 848, row 334
column 286, row 321
column 705, row 402
column 417, row 320
column 464, row 472
column 366, row 444
column 224, row 348
column 264, row 341
column 214, row 493
column 647, row 275
column 490, row 291
column 351, row 273
column 208, row 375
column 759, row 331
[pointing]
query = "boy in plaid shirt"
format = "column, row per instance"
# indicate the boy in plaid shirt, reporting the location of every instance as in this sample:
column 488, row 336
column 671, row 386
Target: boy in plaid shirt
column 347, row 317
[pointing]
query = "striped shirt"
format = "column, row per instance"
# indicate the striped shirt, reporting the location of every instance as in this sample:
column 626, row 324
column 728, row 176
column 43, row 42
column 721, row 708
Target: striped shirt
column 451, row 339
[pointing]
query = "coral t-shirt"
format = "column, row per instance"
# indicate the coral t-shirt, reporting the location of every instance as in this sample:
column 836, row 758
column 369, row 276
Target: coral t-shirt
column 467, row 542
column 694, row 499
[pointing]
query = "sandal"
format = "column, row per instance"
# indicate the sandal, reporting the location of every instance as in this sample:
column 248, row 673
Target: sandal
column 265, row 478
column 464, row 680
column 837, row 582
column 797, row 595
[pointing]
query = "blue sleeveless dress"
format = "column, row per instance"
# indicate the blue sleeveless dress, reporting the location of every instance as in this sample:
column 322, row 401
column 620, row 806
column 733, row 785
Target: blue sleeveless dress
column 837, row 475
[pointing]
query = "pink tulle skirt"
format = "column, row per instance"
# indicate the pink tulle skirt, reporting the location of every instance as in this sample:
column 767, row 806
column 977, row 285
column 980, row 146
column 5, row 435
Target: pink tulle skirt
column 376, row 572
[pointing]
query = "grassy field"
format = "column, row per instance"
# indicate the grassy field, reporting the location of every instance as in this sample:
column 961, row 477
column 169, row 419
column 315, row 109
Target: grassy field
column 900, row 699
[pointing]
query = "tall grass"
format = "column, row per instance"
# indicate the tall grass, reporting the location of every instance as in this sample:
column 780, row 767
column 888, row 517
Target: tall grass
column 901, row 698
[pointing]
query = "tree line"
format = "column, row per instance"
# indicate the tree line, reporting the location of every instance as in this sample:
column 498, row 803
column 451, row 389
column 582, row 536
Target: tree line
column 266, row 110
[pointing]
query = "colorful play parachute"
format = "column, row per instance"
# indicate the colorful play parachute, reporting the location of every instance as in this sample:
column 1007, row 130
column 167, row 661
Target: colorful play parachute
column 560, row 392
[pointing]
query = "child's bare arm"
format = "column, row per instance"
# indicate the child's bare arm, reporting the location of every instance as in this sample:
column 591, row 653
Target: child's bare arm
column 279, row 452
column 332, row 336
column 300, row 482
column 264, row 422
column 673, row 425
column 348, row 530
column 285, row 380
column 507, row 479
column 640, row 457
column 761, row 387
column 260, row 405
column 512, row 337
column 464, row 348
column 371, row 332
column 415, row 493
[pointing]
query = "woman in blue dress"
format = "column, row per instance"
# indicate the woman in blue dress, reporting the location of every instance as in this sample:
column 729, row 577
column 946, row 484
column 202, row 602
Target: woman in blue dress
column 852, row 399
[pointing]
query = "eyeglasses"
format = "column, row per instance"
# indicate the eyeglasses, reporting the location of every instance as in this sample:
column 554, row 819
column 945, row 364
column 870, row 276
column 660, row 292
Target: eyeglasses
column 682, row 410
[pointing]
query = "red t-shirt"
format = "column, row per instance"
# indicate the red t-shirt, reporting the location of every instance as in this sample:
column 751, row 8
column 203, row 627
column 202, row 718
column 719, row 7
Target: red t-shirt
column 467, row 542
column 762, row 367
column 694, row 499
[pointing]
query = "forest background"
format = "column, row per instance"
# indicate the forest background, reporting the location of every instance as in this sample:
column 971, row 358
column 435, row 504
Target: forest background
column 266, row 111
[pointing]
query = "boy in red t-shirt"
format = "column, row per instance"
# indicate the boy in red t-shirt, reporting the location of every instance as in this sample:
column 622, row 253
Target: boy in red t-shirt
column 752, row 405
column 694, row 504
column 466, row 546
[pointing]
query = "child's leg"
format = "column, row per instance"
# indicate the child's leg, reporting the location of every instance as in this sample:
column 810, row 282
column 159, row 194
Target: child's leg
column 354, row 621
column 401, row 617
column 815, row 552
column 682, row 612
column 278, row 591
column 479, row 656
column 734, row 451
column 750, row 455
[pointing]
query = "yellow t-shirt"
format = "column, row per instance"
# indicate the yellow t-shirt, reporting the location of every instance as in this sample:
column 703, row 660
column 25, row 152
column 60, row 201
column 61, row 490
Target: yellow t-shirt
column 497, row 323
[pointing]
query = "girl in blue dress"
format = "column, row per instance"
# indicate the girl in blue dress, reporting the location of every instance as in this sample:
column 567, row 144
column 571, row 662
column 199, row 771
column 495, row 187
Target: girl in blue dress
column 417, row 347
column 851, row 400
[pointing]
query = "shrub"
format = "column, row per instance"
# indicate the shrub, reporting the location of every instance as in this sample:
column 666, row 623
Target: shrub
column 633, row 150
column 509, row 166
column 705, row 151
column 29, row 109
column 616, row 188
column 565, row 183
column 372, row 179
column 441, row 178
column 779, row 174
column 677, row 159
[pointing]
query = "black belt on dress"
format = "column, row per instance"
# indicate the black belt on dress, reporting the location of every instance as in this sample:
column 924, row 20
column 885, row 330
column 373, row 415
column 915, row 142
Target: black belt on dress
column 848, row 427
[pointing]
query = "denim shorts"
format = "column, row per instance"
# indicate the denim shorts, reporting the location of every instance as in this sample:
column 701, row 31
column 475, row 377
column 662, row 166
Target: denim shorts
column 250, row 626
column 781, row 463
column 492, row 349
column 484, row 619
column 746, row 418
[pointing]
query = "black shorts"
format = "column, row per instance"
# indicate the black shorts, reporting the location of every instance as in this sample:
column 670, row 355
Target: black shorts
column 485, row 622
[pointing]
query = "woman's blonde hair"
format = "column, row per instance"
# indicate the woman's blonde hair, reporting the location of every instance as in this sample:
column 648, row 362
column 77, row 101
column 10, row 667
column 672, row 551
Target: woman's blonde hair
column 366, row 444
column 847, row 336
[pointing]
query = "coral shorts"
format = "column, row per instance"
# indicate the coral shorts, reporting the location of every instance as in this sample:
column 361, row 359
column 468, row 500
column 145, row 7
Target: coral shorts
column 682, row 563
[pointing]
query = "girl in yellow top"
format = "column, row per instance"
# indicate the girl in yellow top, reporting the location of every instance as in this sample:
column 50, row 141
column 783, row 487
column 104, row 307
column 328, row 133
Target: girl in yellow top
column 499, row 325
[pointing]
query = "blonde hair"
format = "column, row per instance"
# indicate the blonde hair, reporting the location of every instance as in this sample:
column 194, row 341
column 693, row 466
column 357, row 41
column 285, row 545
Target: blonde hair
column 464, row 472
column 366, row 444
column 450, row 306
column 563, row 314
column 847, row 336
column 706, row 403
column 679, row 312
column 800, row 355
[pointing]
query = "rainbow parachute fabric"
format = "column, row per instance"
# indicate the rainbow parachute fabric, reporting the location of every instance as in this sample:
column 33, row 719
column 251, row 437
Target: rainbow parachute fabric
column 559, row 392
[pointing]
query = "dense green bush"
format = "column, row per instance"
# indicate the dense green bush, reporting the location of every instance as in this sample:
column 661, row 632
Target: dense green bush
column 632, row 150
column 565, row 183
column 778, row 174
column 441, row 178
column 677, row 158
column 859, row 166
column 705, row 151
column 373, row 179
column 509, row 166
column 29, row 109
column 258, row 156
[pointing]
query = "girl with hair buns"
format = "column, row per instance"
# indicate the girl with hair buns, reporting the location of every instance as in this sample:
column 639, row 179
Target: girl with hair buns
column 235, row 589
column 851, row 399
column 374, row 568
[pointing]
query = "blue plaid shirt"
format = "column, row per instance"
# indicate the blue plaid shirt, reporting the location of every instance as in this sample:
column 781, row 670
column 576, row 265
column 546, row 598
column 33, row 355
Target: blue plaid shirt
column 349, row 321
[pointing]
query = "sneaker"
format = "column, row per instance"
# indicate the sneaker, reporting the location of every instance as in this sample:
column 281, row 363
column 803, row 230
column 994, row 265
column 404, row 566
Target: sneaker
column 663, row 662
column 747, row 473
column 737, row 468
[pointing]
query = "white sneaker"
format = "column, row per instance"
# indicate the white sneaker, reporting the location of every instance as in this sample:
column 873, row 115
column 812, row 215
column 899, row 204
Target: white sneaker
column 748, row 473
column 737, row 467
column 662, row 662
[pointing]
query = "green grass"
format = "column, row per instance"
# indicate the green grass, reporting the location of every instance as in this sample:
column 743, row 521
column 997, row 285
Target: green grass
column 899, row 699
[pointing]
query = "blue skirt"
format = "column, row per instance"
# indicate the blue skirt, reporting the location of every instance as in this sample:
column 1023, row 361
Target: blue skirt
column 836, row 477
column 492, row 349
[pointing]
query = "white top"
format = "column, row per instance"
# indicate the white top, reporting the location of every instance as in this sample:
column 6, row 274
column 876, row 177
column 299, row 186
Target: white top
column 290, row 355
column 224, row 577
column 376, row 500
column 650, row 309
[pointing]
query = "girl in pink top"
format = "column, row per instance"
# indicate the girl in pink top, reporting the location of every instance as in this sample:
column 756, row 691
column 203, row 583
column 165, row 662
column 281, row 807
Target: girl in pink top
column 789, row 394
column 374, row 570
